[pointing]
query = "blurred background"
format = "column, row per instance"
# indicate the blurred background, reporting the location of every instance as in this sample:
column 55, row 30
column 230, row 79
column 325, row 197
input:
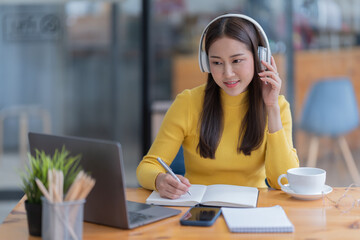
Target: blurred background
column 110, row 69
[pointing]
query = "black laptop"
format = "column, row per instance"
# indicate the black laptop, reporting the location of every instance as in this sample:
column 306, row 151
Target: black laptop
column 106, row 204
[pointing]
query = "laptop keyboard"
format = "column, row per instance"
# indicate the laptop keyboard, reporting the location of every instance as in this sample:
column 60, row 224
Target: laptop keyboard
column 135, row 217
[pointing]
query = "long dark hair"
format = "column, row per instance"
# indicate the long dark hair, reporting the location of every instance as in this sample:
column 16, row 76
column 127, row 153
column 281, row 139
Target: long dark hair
column 252, row 128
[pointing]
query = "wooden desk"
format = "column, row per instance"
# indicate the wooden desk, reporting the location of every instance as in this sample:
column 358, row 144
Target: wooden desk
column 312, row 220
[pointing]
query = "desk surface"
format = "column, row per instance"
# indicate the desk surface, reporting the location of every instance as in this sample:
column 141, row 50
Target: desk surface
column 316, row 219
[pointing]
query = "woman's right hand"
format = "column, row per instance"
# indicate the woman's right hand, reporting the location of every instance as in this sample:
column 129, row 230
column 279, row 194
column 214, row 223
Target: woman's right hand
column 168, row 187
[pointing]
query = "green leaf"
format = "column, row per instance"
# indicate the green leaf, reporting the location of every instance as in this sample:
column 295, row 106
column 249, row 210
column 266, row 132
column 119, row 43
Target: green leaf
column 38, row 167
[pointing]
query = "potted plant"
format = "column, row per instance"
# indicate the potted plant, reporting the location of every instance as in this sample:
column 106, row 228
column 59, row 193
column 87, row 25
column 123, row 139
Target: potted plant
column 38, row 168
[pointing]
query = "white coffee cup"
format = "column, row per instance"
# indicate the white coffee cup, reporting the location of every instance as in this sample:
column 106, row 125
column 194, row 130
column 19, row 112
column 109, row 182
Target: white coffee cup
column 305, row 180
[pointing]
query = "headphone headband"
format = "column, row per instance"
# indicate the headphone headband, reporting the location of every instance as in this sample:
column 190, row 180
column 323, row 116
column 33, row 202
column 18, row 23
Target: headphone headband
column 202, row 54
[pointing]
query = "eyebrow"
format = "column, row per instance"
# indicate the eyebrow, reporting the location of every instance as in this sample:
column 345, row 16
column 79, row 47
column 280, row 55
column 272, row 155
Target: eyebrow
column 235, row 55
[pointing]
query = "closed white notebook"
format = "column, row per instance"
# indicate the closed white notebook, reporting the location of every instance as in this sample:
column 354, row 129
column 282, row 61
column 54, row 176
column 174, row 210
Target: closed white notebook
column 257, row 220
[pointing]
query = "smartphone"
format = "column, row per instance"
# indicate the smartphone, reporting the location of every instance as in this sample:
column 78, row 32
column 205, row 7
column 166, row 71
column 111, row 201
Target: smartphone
column 200, row 216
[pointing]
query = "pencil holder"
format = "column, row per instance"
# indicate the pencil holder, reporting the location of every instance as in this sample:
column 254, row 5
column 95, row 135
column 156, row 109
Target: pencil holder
column 62, row 220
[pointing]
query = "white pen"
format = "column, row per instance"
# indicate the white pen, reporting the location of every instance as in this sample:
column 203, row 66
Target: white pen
column 168, row 169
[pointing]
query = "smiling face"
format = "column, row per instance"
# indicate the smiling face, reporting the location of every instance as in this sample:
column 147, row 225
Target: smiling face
column 231, row 65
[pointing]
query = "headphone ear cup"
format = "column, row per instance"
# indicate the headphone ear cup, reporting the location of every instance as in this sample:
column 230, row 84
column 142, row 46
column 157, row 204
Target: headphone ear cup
column 205, row 62
column 262, row 53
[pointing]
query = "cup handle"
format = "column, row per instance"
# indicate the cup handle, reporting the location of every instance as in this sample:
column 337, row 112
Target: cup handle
column 279, row 179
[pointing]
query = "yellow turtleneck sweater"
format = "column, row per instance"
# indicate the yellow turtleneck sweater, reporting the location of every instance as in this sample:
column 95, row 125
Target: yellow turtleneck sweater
column 180, row 127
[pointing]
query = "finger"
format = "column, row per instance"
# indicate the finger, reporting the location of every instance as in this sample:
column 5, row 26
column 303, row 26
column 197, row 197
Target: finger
column 268, row 66
column 164, row 187
column 175, row 184
column 168, row 193
column 270, row 74
column 184, row 180
column 171, row 195
column 273, row 63
column 179, row 186
column 271, row 81
column 174, row 192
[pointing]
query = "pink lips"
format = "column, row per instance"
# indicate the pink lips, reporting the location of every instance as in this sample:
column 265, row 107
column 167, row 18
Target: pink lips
column 231, row 84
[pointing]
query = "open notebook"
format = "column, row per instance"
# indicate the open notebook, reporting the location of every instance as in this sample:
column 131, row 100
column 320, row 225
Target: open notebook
column 213, row 195
column 250, row 220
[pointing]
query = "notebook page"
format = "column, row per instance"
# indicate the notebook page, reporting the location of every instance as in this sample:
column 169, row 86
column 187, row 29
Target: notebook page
column 230, row 196
column 266, row 219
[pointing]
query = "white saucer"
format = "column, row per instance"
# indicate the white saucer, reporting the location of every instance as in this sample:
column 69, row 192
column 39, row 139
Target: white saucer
column 327, row 189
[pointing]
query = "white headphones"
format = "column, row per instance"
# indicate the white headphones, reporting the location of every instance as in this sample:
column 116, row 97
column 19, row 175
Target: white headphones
column 263, row 52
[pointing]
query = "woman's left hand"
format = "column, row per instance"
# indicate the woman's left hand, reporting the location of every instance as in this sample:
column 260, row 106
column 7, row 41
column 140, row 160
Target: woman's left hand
column 271, row 83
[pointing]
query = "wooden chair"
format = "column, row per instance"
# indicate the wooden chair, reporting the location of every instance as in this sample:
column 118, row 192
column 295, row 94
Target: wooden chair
column 23, row 112
column 331, row 110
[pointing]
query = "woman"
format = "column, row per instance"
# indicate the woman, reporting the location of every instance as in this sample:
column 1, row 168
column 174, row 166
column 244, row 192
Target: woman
column 235, row 129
